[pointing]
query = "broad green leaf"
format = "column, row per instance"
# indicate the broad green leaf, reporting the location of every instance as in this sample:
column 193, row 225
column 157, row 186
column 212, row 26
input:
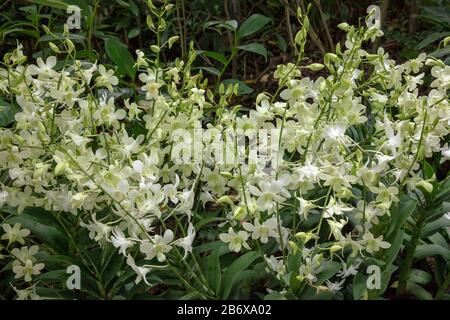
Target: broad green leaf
column 281, row 42
column 255, row 48
column 359, row 285
column 50, row 3
column 439, row 239
column 254, row 23
column 211, row 246
column 133, row 33
column 243, row 280
column 195, row 295
column 210, row 70
column 436, row 14
column 134, row 8
column 54, row 276
column 392, row 252
column 120, row 55
column 328, row 270
column 437, row 211
column 399, row 214
column 213, row 55
column 113, row 268
column 441, row 52
column 7, row 112
column 386, row 276
column 30, row 33
column 429, row 250
column 60, row 36
column 40, row 228
column 58, row 261
column 243, row 87
column 440, row 266
column 237, row 266
column 443, row 192
column 431, row 38
column 275, row 296
column 311, row 293
column 418, row 291
column 230, row 24
column 428, row 170
column 213, row 273
column 420, row 277
column 204, row 221
column 53, row 293
column 435, row 226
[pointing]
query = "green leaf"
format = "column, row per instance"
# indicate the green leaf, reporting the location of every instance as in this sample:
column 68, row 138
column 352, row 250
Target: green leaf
column 281, row 42
column 429, row 250
column 243, row 281
column 56, row 261
column 213, row 273
column 213, row 55
column 311, row 293
column 243, row 87
column 431, row 38
column 52, row 293
column 251, row 25
column 439, row 239
column 50, row 3
column 204, row 221
column 133, row 33
column 400, row 213
column 54, row 276
column 428, row 170
column 134, row 8
column 255, row 48
column 60, row 36
column 113, row 268
column 275, row 296
column 435, row 226
column 210, row 246
column 436, row 15
column 29, row 33
column 120, row 55
column 441, row 52
column 443, row 191
column 391, row 253
column 359, row 285
column 230, row 24
column 7, row 112
column 237, row 266
column 328, row 269
column 438, row 210
column 440, row 266
column 214, row 72
column 42, row 229
column 418, row 291
column 195, row 295
column 386, row 276
column 420, row 277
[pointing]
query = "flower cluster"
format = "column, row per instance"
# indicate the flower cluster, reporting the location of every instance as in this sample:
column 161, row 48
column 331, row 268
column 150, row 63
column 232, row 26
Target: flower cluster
column 348, row 144
column 24, row 263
